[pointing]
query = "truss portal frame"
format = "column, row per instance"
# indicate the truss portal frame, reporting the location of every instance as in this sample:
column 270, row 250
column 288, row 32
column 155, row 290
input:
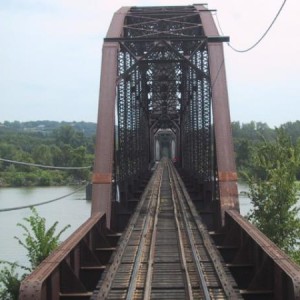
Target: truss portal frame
column 162, row 69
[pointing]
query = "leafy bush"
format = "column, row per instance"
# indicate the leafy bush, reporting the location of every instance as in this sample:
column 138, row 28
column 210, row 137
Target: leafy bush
column 39, row 242
column 18, row 179
column 9, row 282
column 45, row 179
column 273, row 192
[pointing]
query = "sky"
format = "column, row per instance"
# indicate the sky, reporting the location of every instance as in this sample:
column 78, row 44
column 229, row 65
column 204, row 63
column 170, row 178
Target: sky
column 50, row 58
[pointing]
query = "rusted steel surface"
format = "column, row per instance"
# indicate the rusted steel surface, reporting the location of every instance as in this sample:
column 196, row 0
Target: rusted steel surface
column 166, row 252
column 101, row 194
column 227, row 176
column 163, row 68
column 100, row 178
column 221, row 116
column 74, row 268
column 260, row 268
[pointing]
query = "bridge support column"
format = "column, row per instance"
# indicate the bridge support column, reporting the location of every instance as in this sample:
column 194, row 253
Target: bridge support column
column 103, row 165
column 221, row 115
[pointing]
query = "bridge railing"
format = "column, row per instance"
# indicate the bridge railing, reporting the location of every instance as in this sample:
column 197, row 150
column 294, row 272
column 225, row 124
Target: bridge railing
column 75, row 267
column 259, row 265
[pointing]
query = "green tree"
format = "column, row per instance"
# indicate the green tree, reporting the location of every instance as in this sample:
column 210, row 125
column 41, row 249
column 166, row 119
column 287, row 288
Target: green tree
column 79, row 159
column 39, row 241
column 56, row 155
column 42, row 155
column 242, row 149
column 293, row 129
column 45, row 178
column 10, row 282
column 64, row 134
column 23, row 156
column 7, row 151
column 273, row 191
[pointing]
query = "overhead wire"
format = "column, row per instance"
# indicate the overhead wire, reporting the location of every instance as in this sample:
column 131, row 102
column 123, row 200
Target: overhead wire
column 43, row 166
column 46, row 167
column 87, row 167
column 42, row 203
column 260, row 39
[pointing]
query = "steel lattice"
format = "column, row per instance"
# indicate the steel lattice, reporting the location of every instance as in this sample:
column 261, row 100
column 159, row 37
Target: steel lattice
column 164, row 83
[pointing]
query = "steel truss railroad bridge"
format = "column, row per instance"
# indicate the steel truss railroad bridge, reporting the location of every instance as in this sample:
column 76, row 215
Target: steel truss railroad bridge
column 179, row 235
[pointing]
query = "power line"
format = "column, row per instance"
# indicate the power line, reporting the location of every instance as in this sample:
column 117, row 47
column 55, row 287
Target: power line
column 42, row 166
column 260, row 39
column 42, row 203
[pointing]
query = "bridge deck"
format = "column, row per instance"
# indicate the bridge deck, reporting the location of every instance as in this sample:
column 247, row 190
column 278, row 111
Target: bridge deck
column 166, row 252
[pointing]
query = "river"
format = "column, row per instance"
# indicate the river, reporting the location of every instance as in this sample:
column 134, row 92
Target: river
column 73, row 210
column 245, row 204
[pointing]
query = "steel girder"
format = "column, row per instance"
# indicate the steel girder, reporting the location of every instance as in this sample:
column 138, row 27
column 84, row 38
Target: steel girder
column 225, row 159
column 160, row 61
column 103, row 165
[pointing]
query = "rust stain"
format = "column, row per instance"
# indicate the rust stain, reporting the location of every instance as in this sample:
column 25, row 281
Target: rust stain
column 227, row 176
column 102, row 178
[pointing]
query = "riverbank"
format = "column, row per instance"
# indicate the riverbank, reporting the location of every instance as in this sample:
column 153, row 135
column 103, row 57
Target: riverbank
column 39, row 178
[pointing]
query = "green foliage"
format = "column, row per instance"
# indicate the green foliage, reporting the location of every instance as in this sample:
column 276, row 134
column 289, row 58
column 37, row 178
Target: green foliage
column 39, row 241
column 273, row 191
column 46, row 143
column 247, row 136
column 45, row 179
column 42, row 155
column 9, row 282
column 17, row 180
column 293, row 129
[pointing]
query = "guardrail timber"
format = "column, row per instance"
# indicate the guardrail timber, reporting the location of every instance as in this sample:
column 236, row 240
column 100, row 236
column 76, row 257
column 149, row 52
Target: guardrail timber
column 63, row 271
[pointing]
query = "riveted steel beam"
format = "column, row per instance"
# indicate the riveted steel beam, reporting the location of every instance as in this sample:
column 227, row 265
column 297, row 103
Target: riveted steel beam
column 210, row 39
column 221, row 115
column 102, row 191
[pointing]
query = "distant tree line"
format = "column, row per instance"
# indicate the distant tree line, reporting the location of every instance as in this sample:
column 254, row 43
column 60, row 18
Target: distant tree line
column 247, row 137
column 45, row 143
column 72, row 144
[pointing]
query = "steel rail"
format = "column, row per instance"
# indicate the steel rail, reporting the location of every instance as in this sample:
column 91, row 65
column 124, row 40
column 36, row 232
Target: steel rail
column 105, row 287
column 181, row 246
column 174, row 185
column 154, row 204
column 215, row 258
column 148, row 286
column 145, row 276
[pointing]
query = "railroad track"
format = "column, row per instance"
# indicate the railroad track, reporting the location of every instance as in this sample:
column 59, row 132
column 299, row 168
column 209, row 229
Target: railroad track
column 166, row 251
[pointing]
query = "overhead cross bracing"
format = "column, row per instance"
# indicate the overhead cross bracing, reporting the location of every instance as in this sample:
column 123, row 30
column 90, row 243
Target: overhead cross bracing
column 163, row 82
